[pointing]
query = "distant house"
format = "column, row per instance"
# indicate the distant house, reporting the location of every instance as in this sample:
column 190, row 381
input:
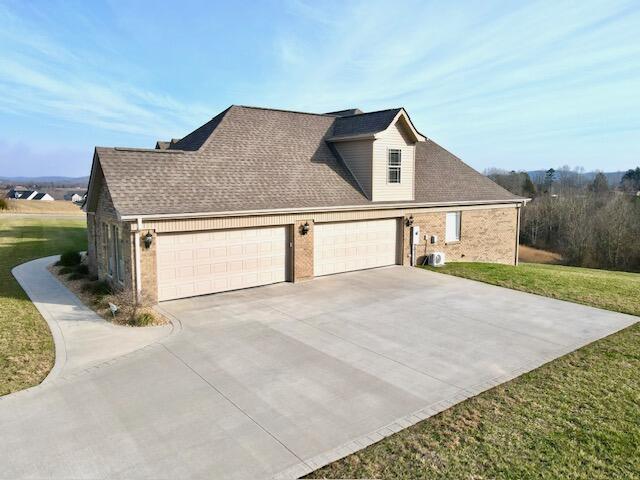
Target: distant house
column 28, row 195
column 75, row 197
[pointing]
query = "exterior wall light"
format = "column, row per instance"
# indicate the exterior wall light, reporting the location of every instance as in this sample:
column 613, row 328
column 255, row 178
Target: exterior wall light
column 304, row 229
column 148, row 239
column 410, row 221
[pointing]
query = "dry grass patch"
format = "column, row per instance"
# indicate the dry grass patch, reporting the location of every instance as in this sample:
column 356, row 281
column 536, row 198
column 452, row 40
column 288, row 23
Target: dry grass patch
column 535, row 255
column 54, row 206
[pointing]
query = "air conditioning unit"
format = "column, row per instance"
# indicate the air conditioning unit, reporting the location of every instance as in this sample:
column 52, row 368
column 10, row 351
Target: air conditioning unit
column 436, row 259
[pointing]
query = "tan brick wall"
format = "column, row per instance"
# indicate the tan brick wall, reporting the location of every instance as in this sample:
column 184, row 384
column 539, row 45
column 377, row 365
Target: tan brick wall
column 105, row 216
column 485, row 236
column 302, row 252
column 149, row 268
column 91, row 246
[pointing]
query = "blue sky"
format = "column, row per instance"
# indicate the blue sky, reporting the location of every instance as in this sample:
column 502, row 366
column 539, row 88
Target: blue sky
column 515, row 85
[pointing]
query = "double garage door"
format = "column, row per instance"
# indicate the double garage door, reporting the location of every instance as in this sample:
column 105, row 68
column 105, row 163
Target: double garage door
column 199, row 263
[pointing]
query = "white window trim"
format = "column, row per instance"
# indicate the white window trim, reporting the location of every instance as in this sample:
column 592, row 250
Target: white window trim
column 395, row 167
column 457, row 218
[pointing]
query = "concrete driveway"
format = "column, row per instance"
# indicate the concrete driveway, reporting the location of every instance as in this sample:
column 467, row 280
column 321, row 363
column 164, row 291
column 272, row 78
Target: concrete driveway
column 279, row 380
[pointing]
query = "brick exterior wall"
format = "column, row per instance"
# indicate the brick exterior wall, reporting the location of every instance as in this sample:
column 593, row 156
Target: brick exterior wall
column 92, row 261
column 104, row 218
column 302, row 252
column 148, row 268
column 485, row 236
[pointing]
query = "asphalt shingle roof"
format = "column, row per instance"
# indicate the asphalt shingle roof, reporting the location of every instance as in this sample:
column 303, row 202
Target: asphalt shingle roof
column 364, row 123
column 250, row 158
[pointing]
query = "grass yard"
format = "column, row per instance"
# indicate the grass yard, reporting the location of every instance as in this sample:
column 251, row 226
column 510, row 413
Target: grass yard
column 26, row 346
column 617, row 291
column 577, row 417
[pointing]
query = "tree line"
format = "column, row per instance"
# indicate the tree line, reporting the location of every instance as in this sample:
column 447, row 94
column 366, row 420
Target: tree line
column 588, row 221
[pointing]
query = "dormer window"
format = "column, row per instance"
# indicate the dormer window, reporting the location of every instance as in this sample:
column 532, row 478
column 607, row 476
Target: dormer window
column 395, row 159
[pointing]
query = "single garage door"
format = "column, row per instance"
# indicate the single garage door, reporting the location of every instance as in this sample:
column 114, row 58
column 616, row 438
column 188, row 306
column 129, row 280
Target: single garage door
column 215, row 261
column 347, row 246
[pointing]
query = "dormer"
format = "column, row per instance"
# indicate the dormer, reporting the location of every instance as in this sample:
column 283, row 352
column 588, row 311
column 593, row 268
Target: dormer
column 379, row 150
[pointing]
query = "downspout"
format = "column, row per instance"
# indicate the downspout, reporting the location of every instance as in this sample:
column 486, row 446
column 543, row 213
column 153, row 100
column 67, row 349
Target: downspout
column 518, row 236
column 137, row 254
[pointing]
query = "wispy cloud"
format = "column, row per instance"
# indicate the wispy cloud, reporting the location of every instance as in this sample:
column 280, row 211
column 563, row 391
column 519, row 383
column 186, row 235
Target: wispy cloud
column 39, row 76
column 508, row 84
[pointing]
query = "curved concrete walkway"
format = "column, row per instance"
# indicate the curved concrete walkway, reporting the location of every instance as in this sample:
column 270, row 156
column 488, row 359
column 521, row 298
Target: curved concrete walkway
column 274, row 381
column 82, row 338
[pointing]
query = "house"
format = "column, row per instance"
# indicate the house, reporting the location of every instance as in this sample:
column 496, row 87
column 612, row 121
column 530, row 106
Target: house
column 28, row 195
column 75, row 197
column 271, row 196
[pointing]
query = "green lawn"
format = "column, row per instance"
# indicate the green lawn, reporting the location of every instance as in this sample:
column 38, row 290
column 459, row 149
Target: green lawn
column 617, row 291
column 577, row 417
column 26, row 346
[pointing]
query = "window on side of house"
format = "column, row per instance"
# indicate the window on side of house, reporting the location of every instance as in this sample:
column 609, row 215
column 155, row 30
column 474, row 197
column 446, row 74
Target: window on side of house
column 108, row 238
column 452, row 233
column 394, row 165
column 119, row 260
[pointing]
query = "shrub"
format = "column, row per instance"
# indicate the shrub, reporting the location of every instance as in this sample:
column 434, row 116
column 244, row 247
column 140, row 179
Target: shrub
column 76, row 275
column 3, row 204
column 99, row 288
column 66, row 270
column 70, row 258
column 82, row 269
column 141, row 320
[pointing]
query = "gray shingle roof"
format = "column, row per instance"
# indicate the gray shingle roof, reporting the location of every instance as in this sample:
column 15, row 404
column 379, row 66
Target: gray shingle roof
column 250, row 158
column 364, row 123
column 443, row 177
column 344, row 113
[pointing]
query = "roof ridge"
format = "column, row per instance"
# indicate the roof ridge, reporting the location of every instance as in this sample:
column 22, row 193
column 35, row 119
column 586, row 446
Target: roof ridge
column 285, row 111
column 135, row 149
column 371, row 113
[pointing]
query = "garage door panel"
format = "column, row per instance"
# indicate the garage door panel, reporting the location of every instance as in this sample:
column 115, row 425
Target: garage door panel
column 348, row 246
column 208, row 262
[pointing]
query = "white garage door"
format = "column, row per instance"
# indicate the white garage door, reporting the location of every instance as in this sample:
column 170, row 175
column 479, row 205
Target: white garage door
column 215, row 261
column 343, row 247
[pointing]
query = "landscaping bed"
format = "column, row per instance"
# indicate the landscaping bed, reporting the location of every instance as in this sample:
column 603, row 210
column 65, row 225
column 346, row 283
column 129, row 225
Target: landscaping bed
column 99, row 296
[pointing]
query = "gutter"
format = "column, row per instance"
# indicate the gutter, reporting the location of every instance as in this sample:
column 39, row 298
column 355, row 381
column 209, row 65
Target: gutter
column 137, row 259
column 247, row 213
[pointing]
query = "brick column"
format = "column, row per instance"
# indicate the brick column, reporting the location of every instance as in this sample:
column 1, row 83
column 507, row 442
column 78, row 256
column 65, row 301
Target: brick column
column 149, row 268
column 302, row 251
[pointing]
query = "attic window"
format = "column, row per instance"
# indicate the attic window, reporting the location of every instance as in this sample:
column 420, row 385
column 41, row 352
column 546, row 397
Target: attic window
column 395, row 158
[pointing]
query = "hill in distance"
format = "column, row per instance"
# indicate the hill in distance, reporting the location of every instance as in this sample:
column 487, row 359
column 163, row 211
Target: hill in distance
column 46, row 181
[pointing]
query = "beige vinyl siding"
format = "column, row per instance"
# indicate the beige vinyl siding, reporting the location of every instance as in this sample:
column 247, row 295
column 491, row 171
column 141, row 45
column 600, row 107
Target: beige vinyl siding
column 215, row 223
column 393, row 138
column 357, row 156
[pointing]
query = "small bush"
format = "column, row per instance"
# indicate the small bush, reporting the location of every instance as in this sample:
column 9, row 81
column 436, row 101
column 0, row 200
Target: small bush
column 142, row 320
column 82, row 269
column 3, row 204
column 70, row 259
column 76, row 276
column 66, row 270
column 99, row 288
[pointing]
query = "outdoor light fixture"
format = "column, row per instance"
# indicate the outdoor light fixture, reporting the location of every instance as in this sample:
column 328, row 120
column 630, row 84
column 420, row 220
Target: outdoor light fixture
column 410, row 221
column 304, row 229
column 148, row 238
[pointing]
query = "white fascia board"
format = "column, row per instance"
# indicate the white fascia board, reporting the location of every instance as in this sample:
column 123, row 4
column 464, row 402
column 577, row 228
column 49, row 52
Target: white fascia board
column 385, row 206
